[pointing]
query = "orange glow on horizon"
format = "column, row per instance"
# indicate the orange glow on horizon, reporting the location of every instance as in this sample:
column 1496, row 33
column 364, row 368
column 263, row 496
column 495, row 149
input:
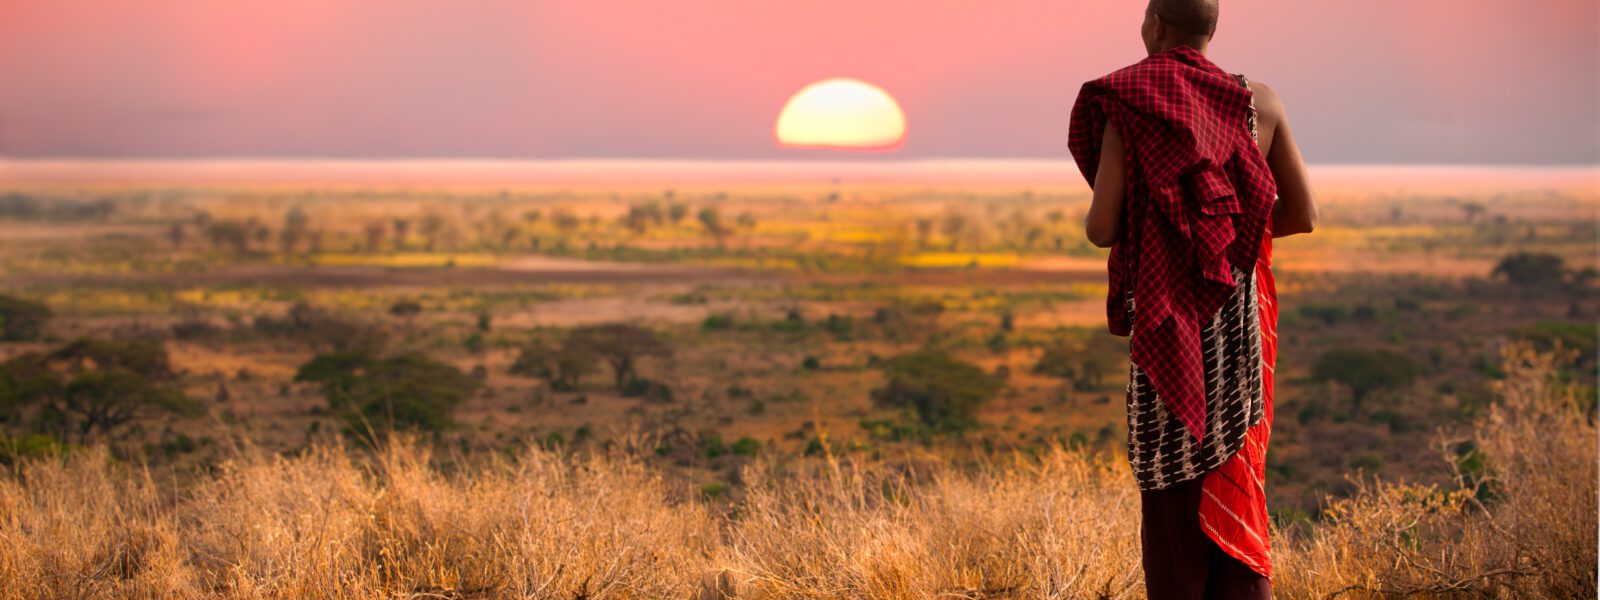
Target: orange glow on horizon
column 841, row 114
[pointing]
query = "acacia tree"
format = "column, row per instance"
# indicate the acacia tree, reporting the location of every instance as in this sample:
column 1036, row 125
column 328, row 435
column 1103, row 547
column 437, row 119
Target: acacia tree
column 562, row 367
column 407, row 391
column 943, row 392
column 620, row 345
column 22, row 320
column 711, row 220
column 1364, row 370
column 93, row 387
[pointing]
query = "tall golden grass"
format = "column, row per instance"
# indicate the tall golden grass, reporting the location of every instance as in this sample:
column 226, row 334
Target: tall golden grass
column 332, row 523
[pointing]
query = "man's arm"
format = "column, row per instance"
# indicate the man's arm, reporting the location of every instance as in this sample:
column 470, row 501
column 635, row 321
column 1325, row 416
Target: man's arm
column 1295, row 211
column 1103, row 224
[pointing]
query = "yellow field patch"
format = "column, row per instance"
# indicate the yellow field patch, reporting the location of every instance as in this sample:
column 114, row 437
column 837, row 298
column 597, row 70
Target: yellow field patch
column 941, row 260
column 405, row 260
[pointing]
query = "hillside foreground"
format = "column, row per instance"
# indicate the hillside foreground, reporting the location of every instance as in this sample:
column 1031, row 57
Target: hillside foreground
column 402, row 522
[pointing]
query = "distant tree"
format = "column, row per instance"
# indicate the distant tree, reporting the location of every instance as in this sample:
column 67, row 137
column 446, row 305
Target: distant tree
column 563, row 368
column 175, row 234
column 565, row 220
column 430, row 228
column 295, row 225
column 93, row 387
column 1364, row 370
column 711, row 220
column 943, row 392
column 401, row 227
column 637, row 220
column 953, row 226
column 1086, row 367
column 924, row 232
column 323, row 331
column 229, row 234
column 402, row 392
column 746, row 220
column 620, row 345
column 374, row 231
column 406, row 310
column 258, row 230
column 22, row 320
column 677, row 211
column 1532, row 269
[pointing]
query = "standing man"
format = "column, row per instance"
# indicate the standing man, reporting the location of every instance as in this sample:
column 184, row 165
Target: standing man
column 1194, row 172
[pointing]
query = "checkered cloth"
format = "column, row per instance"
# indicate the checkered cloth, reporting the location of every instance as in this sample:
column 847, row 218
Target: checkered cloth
column 1199, row 197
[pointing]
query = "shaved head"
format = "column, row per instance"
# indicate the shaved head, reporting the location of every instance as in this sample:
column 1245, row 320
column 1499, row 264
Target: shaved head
column 1191, row 18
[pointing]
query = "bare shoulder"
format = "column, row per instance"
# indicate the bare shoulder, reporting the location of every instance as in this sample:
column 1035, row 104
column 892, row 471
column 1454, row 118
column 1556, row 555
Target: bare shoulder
column 1267, row 101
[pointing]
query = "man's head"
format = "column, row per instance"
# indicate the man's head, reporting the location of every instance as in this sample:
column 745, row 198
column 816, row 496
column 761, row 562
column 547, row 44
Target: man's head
column 1172, row 23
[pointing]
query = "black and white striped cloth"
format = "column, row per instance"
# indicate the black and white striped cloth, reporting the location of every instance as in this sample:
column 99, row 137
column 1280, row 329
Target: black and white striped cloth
column 1161, row 451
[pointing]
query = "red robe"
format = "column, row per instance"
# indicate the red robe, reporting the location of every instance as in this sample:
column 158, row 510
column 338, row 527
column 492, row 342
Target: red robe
column 1233, row 499
column 1199, row 199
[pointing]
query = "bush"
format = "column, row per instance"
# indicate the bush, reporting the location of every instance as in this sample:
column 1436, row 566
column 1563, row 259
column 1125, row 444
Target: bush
column 22, row 320
column 619, row 344
column 1531, row 269
column 648, row 389
column 944, row 393
column 402, row 392
column 562, row 368
column 1545, row 335
column 93, row 387
column 1364, row 370
column 746, row 446
column 717, row 322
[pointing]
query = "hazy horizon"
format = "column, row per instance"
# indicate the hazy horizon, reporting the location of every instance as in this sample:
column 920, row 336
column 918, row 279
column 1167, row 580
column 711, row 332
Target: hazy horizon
column 641, row 172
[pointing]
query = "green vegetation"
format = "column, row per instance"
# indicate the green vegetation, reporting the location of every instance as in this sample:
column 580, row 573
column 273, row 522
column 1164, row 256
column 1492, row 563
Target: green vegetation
column 1364, row 370
column 401, row 392
column 942, row 392
column 22, row 320
column 91, row 388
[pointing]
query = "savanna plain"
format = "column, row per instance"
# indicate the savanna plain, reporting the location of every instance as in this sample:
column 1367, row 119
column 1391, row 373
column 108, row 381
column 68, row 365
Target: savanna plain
column 804, row 389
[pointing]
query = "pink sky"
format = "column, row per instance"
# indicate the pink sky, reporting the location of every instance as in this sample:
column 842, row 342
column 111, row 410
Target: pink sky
column 1367, row 81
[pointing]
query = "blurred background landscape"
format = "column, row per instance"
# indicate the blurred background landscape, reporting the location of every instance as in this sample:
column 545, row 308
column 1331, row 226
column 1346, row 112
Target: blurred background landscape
column 360, row 299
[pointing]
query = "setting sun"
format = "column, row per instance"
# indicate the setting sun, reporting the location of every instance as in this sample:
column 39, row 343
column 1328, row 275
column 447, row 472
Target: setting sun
column 842, row 113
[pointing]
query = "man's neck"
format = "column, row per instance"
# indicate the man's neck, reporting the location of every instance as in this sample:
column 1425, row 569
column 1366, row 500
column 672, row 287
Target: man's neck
column 1201, row 48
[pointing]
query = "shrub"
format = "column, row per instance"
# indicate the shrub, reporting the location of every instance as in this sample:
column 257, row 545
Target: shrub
column 22, row 320
column 562, row 368
column 1531, row 269
column 621, row 345
column 402, row 392
column 941, row 391
column 1364, row 370
column 92, row 387
column 648, row 389
column 746, row 446
column 717, row 322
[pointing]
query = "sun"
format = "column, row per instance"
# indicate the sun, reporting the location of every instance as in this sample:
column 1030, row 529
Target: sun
column 842, row 113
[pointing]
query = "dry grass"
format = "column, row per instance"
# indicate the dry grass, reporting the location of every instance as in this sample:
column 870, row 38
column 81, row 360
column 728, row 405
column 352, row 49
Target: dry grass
column 337, row 524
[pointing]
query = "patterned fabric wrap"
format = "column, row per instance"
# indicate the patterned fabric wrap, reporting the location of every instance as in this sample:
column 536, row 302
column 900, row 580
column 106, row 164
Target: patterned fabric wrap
column 1199, row 197
column 1159, row 447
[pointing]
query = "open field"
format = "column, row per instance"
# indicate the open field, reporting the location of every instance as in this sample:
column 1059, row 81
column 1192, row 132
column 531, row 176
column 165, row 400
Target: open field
column 675, row 370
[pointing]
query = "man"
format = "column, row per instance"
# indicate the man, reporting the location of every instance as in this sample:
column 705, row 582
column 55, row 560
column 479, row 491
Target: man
column 1194, row 172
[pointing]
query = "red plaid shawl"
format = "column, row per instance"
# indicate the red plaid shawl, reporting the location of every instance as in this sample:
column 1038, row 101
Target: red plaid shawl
column 1199, row 197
